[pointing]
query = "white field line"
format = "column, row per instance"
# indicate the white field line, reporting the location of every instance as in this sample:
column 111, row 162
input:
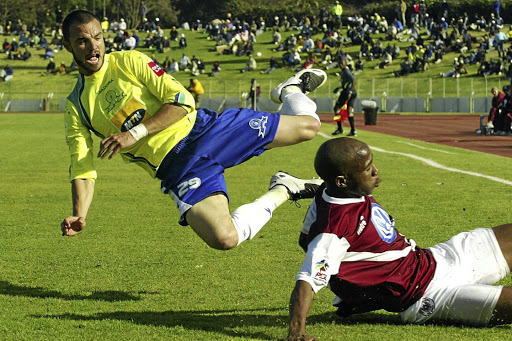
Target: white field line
column 425, row 148
column 435, row 164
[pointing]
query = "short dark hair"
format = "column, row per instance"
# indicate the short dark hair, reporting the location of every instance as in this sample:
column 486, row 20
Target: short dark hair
column 80, row 17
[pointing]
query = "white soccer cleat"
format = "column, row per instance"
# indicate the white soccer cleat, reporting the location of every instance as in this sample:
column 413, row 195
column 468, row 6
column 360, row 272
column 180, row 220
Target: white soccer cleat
column 307, row 80
column 297, row 188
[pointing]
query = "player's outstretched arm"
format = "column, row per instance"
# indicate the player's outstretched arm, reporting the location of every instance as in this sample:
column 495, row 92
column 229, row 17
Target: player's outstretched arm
column 300, row 303
column 82, row 192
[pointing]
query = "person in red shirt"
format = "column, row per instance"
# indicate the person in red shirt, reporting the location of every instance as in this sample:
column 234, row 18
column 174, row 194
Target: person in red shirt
column 353, row 247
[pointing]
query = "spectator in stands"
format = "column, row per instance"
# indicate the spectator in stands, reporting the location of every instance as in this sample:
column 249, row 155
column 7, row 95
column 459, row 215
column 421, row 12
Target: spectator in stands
column 174, row 35
column 50, row 68
column 310, row 62
column 129, row 42
column 415, row 14
column 105, row 24
column 6, row 46
column 496, row 7
column 423, row 14
column 72, row 67
column 405, row 68
column 309, row 45
column 337, row 11
column 135, row 36
column 359, row 66
column 61, row 69
column 276, row 37
column 194, row 67
column 166, row 64
column 122, row 25
column 143, row 10
column 200, row 66
column 114, row 25
column 184, row 62
column 364, row 50
column 386, row 60
column 216, row 68
column 401, row 10
column 499, row 43
column 183, row 41
column 14, row 46
column 459, row 68
column 173, row 67
column 250, row 65
column 273, row 65
column 7, row 73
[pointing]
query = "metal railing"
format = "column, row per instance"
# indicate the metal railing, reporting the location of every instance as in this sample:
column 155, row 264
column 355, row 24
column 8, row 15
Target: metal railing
column 380, row 88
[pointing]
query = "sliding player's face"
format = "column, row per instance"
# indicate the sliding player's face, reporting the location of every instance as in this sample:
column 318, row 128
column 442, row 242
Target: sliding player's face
column 366, row 173
column 87, row 46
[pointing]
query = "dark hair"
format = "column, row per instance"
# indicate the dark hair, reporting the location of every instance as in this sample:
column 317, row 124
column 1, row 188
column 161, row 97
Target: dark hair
column 76, row 17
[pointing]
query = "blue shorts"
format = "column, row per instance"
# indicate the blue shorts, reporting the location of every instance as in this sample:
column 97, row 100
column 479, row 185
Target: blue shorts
column 194, row 169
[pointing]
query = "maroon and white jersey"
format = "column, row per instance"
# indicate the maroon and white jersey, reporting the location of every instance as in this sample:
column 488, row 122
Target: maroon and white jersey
column 353, row 247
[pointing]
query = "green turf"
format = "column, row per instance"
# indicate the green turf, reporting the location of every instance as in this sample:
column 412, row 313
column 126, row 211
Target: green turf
column 135, row 274
column 28, row 82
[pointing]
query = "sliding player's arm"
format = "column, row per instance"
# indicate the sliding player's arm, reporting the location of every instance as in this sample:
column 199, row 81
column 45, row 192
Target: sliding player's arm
column 323, row 258
column 300, row 304
column 82, row 191
column 82, row 172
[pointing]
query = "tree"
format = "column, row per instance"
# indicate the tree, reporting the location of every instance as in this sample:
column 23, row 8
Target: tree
column 129, row 11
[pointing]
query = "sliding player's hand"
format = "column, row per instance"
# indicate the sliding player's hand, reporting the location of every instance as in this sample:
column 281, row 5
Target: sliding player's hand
column 113, row 144
column 71, row 226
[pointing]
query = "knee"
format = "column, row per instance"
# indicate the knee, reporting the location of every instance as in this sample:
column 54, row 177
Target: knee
column 309, row 128
column 225, row 242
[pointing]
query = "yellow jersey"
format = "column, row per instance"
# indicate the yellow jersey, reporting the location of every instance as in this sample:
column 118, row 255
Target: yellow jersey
column 128, row 89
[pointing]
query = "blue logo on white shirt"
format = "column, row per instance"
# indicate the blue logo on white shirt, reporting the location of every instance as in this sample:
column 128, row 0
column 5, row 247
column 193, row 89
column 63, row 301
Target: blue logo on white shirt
column 384, row 224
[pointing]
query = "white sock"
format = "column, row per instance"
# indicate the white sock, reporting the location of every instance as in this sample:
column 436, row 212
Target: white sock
column 250, row 218
column 297, row 103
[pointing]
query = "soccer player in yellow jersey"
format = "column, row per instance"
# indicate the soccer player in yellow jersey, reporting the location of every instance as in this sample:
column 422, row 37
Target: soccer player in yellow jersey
column 149, row 118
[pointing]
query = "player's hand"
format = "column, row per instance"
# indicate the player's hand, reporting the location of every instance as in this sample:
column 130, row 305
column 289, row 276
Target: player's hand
column 71, row 226
column 301, row 337
column 113, row 144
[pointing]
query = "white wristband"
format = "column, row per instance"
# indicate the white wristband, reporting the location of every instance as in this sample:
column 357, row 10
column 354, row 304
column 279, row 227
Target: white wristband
column 139, row 131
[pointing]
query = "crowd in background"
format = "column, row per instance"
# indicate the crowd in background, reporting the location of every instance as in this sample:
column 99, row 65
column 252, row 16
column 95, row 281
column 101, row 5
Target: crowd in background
column 305, row 42
column 309, row 41
column 430, row 32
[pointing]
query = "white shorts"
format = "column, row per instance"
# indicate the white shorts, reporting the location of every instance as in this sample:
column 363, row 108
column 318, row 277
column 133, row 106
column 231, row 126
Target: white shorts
column 461, row 290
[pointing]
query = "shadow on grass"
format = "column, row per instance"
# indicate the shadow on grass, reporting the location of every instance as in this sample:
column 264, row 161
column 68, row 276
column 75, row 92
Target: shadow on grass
column 9, row 289
column 366, row 318
column 392, row 319
column 232, row 323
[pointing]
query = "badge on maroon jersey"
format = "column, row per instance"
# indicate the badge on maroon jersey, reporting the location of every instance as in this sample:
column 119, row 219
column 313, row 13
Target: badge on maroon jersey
column 156, row 69
column 384, row 223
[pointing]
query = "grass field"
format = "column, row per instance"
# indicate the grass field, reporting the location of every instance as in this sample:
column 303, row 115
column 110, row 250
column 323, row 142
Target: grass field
column 135, row 274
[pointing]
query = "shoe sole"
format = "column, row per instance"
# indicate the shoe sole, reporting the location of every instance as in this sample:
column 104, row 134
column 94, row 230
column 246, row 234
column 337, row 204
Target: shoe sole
column 309, row 186
column 275, row 94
